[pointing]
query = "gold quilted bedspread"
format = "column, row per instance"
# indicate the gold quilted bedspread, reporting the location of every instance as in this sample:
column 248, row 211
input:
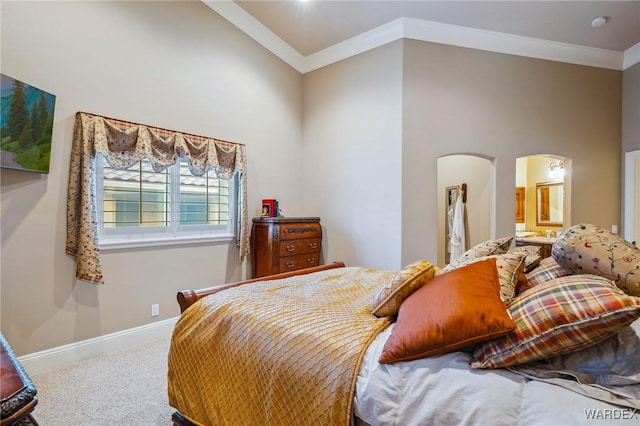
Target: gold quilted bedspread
column 284, row 352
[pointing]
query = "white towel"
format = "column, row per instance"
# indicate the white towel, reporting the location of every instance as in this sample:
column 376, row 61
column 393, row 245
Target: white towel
column 457, row 236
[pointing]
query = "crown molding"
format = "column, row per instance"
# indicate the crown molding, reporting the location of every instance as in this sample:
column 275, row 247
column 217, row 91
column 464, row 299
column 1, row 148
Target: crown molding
column 511, row 44
column 435, row 32
column 236, row 15
column 369, row 40
column 631, row 56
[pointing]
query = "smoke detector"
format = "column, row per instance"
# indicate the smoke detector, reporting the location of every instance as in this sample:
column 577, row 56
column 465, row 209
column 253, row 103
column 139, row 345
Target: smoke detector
column 599, row 21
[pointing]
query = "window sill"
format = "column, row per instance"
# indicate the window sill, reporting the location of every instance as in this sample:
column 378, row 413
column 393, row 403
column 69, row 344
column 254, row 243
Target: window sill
column 119, row 244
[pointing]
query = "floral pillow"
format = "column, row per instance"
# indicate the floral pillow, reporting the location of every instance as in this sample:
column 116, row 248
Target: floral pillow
column 487, row 248
column 387, row 300
column 509, row 265
column 590, row 249
column 532, row 258
column 557, row 317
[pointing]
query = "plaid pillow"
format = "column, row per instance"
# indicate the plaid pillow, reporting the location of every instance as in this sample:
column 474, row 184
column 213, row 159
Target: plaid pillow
column 559, row 316
column 548, row 269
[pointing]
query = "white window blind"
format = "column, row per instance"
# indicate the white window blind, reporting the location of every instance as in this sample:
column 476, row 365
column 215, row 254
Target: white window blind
column 139, row 206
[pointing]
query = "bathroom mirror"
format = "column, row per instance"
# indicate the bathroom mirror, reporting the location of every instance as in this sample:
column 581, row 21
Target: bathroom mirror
column 549, row 201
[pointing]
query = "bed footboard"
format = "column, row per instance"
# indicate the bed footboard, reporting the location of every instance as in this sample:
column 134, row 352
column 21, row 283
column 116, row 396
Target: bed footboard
column 188, row 297
column 180, row 420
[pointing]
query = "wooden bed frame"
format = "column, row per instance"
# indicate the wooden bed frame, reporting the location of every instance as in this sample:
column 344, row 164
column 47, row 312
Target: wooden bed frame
column 188, row 297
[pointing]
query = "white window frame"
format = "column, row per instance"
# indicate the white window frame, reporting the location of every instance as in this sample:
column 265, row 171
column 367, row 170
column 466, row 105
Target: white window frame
column 174, row 234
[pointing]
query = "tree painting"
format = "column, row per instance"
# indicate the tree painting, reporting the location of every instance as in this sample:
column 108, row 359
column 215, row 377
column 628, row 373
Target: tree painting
column 26, row 125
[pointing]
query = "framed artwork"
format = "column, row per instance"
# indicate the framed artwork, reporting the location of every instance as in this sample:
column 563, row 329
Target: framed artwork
column 520, row 204
column 26, row 126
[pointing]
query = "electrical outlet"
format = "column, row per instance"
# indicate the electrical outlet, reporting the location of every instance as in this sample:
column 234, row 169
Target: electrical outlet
column 155, row 310
column 614, row 229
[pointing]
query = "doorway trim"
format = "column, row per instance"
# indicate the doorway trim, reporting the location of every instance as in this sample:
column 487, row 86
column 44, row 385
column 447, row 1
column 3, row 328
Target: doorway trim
column 630, row 195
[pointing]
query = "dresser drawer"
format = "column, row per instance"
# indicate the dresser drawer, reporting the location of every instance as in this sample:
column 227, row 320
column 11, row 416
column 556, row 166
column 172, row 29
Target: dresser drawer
column 295, row 247
column 294, row 231
column 292, row 263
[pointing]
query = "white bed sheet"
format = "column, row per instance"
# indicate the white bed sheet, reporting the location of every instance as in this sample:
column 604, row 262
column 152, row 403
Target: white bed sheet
column 443, row 390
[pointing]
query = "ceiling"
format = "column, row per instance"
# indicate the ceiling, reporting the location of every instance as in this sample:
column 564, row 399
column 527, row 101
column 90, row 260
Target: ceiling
column 309, row 34
column 313, row 25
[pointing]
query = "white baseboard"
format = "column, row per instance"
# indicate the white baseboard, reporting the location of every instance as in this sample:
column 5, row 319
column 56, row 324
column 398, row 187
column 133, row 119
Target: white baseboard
column 61, row 356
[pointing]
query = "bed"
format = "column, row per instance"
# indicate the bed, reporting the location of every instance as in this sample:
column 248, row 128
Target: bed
column 335, row 346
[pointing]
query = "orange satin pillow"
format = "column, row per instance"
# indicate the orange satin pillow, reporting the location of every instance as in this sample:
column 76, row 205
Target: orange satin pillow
column 454, row 310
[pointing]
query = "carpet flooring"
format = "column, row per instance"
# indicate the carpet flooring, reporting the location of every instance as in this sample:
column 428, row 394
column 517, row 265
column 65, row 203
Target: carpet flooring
column 127, row 388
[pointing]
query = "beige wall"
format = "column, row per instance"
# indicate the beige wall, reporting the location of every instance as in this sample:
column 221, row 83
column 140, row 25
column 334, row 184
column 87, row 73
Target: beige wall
column 355, row 143
column 170, row 64
column 458, row 100
column 352, row 156
column 631, row 109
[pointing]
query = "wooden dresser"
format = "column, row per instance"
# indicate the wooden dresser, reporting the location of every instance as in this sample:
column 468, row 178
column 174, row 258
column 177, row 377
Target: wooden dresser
column 283, row 244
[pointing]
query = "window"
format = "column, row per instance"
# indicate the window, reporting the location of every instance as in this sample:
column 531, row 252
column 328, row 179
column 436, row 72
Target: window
column 139, row 206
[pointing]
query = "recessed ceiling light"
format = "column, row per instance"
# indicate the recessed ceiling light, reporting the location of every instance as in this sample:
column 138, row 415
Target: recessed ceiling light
column 599, row 21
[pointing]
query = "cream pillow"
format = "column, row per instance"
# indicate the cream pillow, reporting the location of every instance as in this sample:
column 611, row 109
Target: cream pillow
column 533, row 256
column 486, row 248
column 386, row 301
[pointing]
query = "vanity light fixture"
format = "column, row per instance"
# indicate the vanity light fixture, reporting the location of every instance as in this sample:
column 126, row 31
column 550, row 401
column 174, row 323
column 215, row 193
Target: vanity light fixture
column 556, row 170
column 559, row 165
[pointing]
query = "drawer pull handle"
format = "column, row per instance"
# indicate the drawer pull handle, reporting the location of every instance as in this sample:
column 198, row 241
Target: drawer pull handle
column 311, row 260
column 296, row 230
column 313, row 245
column 290, row 264
column 291, row 248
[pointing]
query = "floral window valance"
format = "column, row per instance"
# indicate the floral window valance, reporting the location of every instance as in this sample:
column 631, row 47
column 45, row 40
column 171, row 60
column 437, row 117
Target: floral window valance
column 123, row 144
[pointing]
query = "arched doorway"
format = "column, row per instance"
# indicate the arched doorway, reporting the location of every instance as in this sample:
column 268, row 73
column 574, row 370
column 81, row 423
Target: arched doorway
column 538, row 178
column 478, row 173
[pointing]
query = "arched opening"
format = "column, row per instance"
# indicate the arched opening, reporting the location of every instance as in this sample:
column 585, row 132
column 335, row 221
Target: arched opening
column 478, row 173
column 543, row 196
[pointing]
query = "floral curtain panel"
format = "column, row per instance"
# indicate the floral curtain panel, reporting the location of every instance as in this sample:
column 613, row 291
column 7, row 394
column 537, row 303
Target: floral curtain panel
column 124, row 144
